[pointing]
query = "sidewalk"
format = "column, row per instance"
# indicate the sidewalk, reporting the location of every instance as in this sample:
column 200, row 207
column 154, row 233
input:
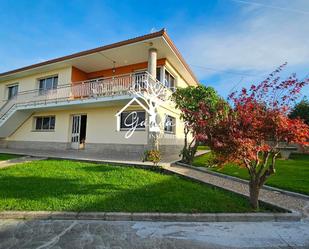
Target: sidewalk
column 81, row 234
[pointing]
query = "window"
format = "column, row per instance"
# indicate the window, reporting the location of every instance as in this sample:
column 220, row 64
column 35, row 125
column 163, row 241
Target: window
column 158, row 76
column 169, row 124
column 132, row 119
column 12, row 91
column 48, row 84
column 45, row 123
column 169, row 80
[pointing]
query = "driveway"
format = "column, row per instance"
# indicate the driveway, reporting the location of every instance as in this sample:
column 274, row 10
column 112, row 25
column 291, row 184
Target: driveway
column 77, row 234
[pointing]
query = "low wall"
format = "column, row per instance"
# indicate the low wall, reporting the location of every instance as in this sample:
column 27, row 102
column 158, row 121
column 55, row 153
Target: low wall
column 111, row 151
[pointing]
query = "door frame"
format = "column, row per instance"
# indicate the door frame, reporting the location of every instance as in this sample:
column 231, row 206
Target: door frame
column 75, row 130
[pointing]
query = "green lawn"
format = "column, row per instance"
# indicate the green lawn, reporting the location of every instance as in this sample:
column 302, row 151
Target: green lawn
column 292, row 174
column 202, row 147
column 75, row 186
column 4, row 157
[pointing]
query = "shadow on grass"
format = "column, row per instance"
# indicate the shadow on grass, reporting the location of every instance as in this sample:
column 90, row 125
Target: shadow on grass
column 112, row 189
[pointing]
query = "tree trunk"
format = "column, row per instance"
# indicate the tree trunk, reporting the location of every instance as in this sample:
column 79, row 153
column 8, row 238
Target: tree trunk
column 184, row 150
column 254, row 190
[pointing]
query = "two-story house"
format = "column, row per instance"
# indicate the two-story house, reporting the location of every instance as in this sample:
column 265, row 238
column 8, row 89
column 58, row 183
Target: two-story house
column 70, row 103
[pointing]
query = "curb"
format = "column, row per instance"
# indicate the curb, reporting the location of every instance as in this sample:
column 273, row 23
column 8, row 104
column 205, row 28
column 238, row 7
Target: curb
column 290, row 193
column 180, row 217
column 13, row 160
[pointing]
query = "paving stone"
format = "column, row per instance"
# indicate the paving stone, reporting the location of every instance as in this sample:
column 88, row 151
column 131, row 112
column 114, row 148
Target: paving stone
column 114, row 216
column 273, row 197
column 146, row 216
column 91, row 216
column 202, row 217
column 98, row 234
column 12, row 215
column 37, row 215
column 63, row 215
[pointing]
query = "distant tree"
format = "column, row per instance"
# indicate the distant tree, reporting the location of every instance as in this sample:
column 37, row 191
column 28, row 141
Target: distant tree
column 251, row 132
column 301, row 110
column 188, row 101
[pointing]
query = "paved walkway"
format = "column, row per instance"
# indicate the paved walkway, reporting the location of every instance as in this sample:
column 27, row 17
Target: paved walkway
column 77, row 234
column 80, row 155
column 290, row 202
column 24, row 159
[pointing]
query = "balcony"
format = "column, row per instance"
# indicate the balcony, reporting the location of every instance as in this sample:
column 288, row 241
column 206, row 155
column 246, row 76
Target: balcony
column 90, row 91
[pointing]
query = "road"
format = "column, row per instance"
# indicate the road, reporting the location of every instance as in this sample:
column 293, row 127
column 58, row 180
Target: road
column 83, row 234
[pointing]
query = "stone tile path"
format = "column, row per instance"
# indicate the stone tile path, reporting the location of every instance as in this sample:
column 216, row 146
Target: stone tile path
column 280, row 199
column 75, row 234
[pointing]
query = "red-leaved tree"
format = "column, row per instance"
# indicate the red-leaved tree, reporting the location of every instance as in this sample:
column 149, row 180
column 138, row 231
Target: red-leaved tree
column 252, row 131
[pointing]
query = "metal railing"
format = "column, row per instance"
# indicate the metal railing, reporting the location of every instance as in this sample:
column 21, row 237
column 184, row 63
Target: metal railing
column 94, row 88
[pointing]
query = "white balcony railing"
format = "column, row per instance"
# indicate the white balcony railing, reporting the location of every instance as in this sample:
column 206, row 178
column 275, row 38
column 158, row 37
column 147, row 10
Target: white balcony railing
column 95, row 88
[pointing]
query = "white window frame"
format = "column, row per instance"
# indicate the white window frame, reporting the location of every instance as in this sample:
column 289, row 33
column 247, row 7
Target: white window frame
column 175, row 80
column 160, row 68
column 173, row 126
column 130, row 111
column 7, row 89
column 45, row 78
column 44, row 130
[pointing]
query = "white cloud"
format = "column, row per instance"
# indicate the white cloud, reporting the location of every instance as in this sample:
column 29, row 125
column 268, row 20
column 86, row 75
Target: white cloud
column 261, row 39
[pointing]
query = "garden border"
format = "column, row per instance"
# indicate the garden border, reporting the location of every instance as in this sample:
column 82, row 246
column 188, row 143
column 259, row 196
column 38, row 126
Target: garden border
column 290, row 193
column 13, row 160
column 286, row 215
column 177, row 217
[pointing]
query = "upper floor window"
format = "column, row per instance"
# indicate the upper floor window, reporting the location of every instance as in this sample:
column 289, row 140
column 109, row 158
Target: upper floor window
column 12, row 91
column 48, row 83
column 45, row 123
column 130, row 119
column 170, row 124
column 169, row 80
column 158, row 74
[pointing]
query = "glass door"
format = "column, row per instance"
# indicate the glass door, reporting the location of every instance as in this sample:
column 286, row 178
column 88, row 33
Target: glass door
column 75, row 138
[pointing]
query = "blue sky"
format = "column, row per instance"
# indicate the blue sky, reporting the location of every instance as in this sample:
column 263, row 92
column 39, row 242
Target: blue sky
column 227, row 43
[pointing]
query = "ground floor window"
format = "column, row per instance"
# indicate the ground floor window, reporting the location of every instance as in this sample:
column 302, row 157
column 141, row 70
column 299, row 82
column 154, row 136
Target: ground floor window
column 170, row 124
column 129, row 119
column 46, row 123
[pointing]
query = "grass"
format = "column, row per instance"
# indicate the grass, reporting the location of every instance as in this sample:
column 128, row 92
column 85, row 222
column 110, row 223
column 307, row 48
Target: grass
column 4, row 157
column 292, row 174
column 76, row 186
column 202, row 147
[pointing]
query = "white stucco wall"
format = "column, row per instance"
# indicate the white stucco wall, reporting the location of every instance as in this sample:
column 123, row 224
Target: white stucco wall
column 101, row 128
column 31, row 82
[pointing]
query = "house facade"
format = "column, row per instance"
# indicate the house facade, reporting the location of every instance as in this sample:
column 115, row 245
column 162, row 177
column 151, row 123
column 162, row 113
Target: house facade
column 72, row 102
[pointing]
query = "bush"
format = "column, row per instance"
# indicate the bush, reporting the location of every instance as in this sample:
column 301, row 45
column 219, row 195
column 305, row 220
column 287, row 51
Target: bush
column 211, row 160
column 153, row 156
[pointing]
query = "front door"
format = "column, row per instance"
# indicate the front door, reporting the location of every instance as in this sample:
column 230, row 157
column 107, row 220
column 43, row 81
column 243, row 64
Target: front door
column 78, row 137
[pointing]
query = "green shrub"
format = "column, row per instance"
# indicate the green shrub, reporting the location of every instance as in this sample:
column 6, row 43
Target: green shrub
column 153, row 156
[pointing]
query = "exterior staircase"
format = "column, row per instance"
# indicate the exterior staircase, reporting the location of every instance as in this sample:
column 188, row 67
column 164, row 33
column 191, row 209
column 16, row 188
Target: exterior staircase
column 11, row 118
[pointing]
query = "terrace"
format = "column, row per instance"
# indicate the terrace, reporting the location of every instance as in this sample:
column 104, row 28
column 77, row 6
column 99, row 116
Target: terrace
column 92, row 92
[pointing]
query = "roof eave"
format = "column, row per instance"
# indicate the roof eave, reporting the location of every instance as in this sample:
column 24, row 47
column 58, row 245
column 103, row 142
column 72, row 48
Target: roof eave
column 160, row 33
